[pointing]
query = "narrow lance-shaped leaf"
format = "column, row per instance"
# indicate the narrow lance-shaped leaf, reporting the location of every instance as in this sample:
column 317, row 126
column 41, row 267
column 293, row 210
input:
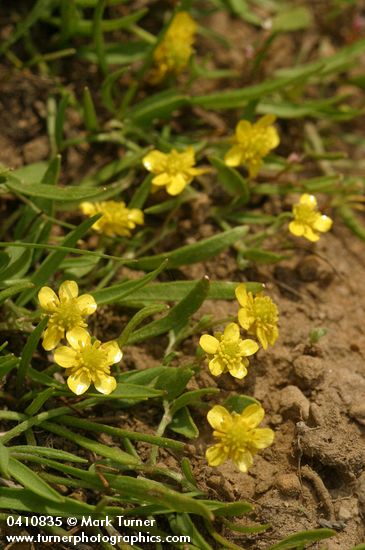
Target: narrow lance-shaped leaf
column 192, row 253
column 178, row 317
column 30, row 480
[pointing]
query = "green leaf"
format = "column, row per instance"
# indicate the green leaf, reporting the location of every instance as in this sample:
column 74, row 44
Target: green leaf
column 239, row 98
column 146, row 490
column 60, row 120
column 192, row 253
column 238, row 403
column 20, row 261
column 158, row 106
column 117, row 292
column 178, row 316
column 261, row 256
column 173, row 380
column 39, row 401
column 13, row 290
column 304, row 537
column 97, row 32
column 7, row 364
column 53, row 260
column 177, row 290
column 293, row 19
column 90, row 118
column 231, row 180
column 183, row 424
column 71, row 193
column 107, row 89
column 48, row 452
column 181, row 524
column 4, row 461
column 27, row 354
column 113, row 453
column 23, row 500
column 191, row 397
column 30, row 480
column 230, row 509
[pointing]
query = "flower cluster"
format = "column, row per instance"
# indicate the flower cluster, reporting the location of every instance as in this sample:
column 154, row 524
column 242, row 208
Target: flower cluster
column 172, row 54
column 252, row 142
column 116, row 221
column 172, row 170
column 238, row 437
column 308, row 221
column 87, row 360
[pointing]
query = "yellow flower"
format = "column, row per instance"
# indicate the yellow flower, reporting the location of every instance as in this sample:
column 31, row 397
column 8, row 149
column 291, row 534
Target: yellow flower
column 88, row 362
column 238, row 437
column 258, row 315
column 117, row 220
column 67, row 311
column 176, row 47
column 252, row 143
column 308, row 221
column 174, row 170
column 228, row 351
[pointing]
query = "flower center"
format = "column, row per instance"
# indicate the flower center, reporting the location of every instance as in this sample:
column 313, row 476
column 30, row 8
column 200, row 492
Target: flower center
column 229, row 352
column 93, row 358
column 305, row 214
column 67, row 315
column 237, row 437
column 265, row 310
column 175, row 164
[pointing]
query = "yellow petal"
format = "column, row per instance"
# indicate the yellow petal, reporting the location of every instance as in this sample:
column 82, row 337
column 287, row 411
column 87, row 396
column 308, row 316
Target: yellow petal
column 136, row 216
column 322, row 224
column 176, row 185
column 216, row 455
column 266, row 120
column 232, row 332
column 88, row 208
column 48, row 299
column 86, row 304
column 154, row 161
column 218, row 416
column 244, row 461
column 65, row 357
column 216, row 366
column 242, row 295
column 188, row 156
column 296, row 228
column 245, row 320
column 243, row 130
column 310, row 234
column 209, row 343
column 262, row 437
column 233, row 157
column 253, row 415
column 105, row 384
column 113, row 351
column 68, row 290
column 262, row 336
column 239, row 371
column 248, row 347
column 52, row 337
column 272, row 137
column 272, row 335
column 162, row 179
column 78, row 338
column 254, row 166
column 309, row 200
column 79, row 382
